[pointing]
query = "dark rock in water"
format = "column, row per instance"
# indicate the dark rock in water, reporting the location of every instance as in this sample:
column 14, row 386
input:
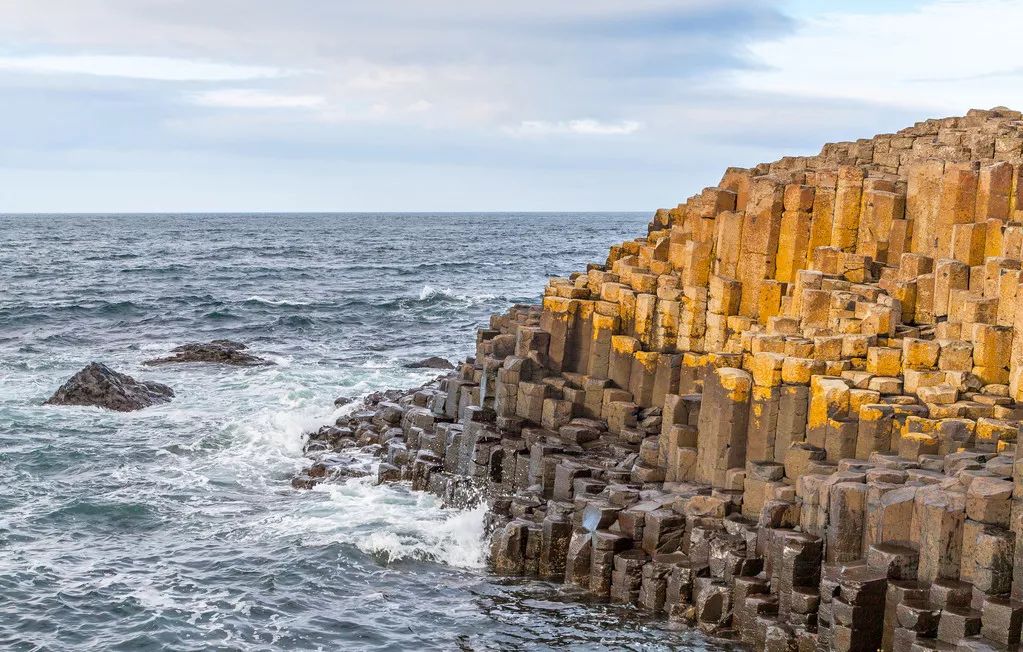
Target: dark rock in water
column 304, row 481
column 377, row 397
column 387, row 473
column 216, row 351
column 101, row 386
column 342, row 400
column 331, row 437
column 433, row 362
column 229, row 344
column 323, row 471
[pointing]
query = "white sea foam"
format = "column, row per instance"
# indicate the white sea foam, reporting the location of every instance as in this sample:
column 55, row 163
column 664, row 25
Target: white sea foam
column 278, row 302
column 391, row 523
column 428, row 292
column 279, row 431
column 388, row 522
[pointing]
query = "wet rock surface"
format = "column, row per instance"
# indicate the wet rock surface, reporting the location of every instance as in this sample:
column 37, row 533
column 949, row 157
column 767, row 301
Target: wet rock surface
column 217, row 352
column 331, row 468
column 788, row 415
column 99, row 385
column 433, row 362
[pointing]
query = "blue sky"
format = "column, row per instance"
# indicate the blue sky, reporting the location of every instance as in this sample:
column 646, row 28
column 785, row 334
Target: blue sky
column 261, row 105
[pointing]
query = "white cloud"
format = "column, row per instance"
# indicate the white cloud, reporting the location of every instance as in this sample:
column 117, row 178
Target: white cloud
column 585, row 126
column 137, row 67
column 947, row 55
column 397, row 83
column 247, row 98
column 370, row 77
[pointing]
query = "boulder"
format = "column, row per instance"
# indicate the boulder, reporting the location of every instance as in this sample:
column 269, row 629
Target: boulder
column 101, row 386
column 216, row 351
column 433, row 362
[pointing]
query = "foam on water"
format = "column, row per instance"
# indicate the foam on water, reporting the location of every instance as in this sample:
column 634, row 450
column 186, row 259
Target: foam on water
column 278, row 302
column 428, row 292
column 392, row 523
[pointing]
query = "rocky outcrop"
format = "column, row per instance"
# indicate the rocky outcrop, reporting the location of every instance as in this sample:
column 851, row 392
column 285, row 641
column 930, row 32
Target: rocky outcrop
column 99, row 385
column 788, row 413
column 433, row 362
column 216, row 351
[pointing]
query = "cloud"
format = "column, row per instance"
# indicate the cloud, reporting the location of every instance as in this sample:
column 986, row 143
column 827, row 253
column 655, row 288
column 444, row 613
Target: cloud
column 137, row 67
column 247, row 98
column 945, row 55
column 607, row 103
column 584, row 127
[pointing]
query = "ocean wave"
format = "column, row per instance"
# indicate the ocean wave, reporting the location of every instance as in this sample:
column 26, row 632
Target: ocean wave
column 44, row 311
column 392, row 524
column 120, row 308
column 454, row 264
column 256, row 299
column 189, row 300
column 294, row 321
column 429, row 293
column 154, row 270
column 221, row 315
column 124, row 255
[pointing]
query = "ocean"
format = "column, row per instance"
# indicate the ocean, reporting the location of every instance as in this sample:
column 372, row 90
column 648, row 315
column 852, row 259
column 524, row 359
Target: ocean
column 176, row 527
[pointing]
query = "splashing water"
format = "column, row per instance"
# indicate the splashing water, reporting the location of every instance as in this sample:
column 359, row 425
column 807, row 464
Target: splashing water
column 392, row 523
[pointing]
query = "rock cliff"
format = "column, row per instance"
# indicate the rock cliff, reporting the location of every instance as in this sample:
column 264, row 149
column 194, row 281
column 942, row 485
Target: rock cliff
column 789, row 412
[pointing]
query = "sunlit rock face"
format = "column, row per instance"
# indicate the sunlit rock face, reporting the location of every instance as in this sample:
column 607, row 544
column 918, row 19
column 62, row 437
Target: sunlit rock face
column 788, row 413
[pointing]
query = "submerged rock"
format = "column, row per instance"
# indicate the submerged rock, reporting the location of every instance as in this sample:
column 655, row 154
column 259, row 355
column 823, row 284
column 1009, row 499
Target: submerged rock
column 101, row 386
column 433, row 362
column 216, row 351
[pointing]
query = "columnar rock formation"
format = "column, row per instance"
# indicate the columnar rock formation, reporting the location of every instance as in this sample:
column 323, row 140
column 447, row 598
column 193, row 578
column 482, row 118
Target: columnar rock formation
column 790, row 411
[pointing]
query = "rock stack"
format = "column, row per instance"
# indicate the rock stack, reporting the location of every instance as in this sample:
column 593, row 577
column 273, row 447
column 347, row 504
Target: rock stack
column 98, row 385
column 788, row 413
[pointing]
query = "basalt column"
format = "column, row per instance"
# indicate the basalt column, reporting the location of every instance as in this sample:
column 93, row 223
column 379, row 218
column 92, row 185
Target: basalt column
column 724, row 418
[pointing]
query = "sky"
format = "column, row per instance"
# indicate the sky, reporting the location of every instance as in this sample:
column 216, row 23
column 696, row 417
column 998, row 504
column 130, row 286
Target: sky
column 451, row 105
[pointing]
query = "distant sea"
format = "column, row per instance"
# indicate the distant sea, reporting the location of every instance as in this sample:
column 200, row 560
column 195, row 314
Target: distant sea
column 176, row 527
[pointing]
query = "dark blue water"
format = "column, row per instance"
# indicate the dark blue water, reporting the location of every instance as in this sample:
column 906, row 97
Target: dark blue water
column 176, row 527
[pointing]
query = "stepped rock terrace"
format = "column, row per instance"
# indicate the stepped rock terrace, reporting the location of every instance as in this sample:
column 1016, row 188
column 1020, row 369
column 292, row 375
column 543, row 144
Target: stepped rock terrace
column 788, row 414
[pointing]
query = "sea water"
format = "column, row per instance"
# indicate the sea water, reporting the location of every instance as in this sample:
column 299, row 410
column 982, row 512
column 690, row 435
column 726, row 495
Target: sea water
column 176, row 527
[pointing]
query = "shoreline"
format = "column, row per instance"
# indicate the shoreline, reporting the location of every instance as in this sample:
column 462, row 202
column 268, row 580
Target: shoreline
column 787, row 415
column 419, row 443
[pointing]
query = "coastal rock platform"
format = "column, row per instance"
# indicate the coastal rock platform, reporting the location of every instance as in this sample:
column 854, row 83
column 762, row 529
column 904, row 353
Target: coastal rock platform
column 217, row 352
column 789, row 413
